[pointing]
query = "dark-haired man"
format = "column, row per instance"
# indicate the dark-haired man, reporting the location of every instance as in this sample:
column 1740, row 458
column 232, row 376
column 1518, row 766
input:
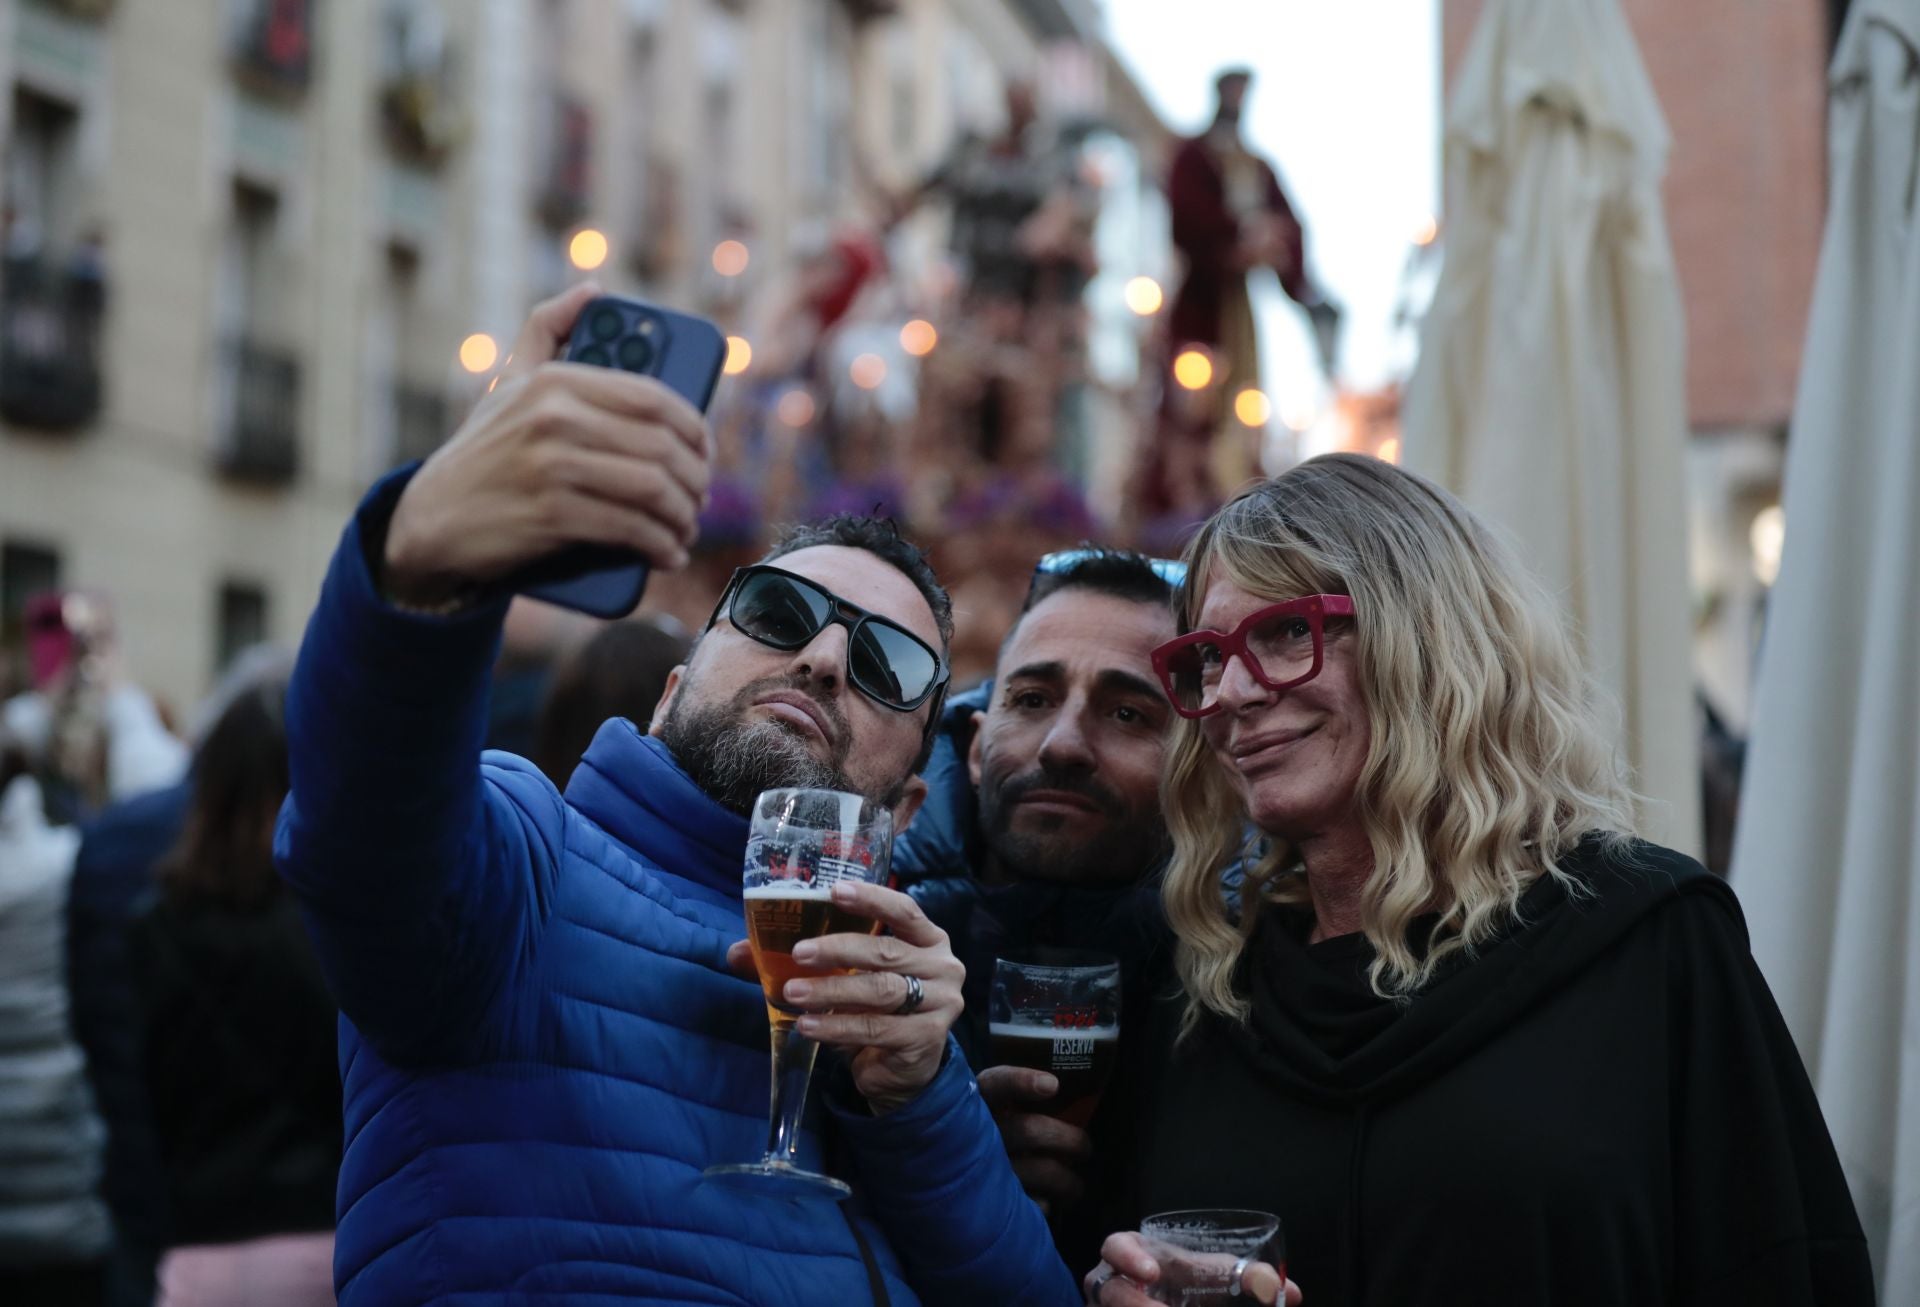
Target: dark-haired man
column 548, row 1034
column 1043, row 827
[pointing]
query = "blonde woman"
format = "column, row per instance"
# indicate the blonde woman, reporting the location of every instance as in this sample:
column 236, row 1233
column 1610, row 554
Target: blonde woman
column 1471, row 1040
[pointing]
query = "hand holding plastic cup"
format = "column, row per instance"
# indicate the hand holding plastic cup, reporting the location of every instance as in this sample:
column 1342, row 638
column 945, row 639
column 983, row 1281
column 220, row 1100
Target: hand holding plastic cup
column 1204, row 1255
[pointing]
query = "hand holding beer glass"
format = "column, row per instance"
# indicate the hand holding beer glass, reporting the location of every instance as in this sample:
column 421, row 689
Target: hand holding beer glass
column 800, row 845
column 1058, row 1011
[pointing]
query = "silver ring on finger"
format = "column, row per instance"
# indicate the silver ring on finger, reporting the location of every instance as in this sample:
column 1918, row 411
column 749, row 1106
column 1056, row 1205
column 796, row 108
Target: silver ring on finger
column 1098, row 1285
column 1234, row 1285
column 916, row 995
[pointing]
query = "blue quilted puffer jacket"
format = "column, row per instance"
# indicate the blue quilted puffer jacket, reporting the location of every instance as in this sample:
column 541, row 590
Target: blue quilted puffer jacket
column 542, row 1045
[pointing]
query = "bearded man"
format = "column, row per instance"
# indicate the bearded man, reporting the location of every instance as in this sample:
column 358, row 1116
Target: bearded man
column 551, row 1023
column 1043, row 829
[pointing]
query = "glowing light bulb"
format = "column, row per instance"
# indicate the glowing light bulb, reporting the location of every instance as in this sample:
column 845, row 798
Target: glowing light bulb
column 918, row 338
column 1144, row 296
column 795, row 407
column 730, row 258
column 1192, row 369
column 868, row 371
column 587, row 249
column 478, row 352
column 1252, row 407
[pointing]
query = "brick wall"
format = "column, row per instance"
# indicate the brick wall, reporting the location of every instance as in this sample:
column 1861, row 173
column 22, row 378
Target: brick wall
column 1743, row 87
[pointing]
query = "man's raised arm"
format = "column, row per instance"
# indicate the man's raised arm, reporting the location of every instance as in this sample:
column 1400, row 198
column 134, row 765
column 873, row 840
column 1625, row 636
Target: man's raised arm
column 424, row 879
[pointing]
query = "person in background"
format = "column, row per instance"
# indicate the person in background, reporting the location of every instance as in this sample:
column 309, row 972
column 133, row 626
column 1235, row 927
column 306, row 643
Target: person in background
column 1230, row 217
column 54, row 1228
column 95, row 736
column 1466, row 1035
column 238, row 1038
column 1042, row 827
column 1021, row 236
column 115, row 880
column 1001, row 188
column 621, row 672
column 535, row 638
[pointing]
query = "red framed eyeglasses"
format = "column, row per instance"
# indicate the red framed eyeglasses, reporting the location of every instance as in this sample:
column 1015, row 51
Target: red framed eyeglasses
column 1281, row 646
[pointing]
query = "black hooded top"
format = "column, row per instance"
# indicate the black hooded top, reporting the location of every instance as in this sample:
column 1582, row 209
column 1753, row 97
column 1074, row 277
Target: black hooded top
column 242, row 1068
column 1601, row 1107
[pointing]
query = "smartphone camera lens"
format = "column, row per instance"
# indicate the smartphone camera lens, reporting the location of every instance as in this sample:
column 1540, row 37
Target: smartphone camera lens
column 597, row 356
column 605, row 324
column 636, row 354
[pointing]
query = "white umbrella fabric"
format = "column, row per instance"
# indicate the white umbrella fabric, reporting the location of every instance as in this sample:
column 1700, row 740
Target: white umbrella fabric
column 1550, row 392
column 1827, row 850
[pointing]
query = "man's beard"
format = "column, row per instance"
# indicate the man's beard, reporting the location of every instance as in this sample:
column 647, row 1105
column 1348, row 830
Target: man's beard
column 1132, row 845
column 733, row 758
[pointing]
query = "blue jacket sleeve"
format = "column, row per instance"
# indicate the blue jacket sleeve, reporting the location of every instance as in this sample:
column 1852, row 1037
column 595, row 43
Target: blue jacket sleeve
column 423, row 879
column 940, row 1185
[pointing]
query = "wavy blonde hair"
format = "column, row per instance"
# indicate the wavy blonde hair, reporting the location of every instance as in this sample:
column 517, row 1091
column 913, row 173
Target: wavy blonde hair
column 1490, row 754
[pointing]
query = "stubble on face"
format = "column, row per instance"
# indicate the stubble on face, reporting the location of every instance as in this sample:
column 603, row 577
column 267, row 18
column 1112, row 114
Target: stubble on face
column 1129, row 845
column 734, row 756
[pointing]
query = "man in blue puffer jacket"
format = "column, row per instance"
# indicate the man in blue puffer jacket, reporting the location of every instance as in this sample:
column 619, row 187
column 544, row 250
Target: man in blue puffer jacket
column 547, row 1032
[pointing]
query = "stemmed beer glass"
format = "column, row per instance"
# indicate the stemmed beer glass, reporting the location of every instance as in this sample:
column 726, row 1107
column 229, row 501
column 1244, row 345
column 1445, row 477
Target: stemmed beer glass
column 800, row 845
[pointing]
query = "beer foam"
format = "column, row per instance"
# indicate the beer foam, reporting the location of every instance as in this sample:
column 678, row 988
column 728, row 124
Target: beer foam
column 1035, row 1030
column 791, row 892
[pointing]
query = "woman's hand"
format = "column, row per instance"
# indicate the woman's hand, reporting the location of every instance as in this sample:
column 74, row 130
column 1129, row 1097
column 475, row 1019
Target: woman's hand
column 895, row 1049
column 1126, row 1267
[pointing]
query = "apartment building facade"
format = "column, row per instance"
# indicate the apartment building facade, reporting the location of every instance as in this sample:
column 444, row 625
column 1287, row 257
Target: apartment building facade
column 251, row 244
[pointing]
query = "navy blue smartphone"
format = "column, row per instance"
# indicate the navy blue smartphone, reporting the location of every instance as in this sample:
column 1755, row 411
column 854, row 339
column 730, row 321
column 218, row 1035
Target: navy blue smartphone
column 684, row 352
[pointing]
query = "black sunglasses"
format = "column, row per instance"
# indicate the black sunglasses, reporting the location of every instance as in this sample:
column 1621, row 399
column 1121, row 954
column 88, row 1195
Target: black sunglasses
column 885, row 661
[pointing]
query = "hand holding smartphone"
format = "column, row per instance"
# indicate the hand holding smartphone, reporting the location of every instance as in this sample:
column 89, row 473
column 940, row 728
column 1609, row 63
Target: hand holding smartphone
column 569, row 477
column 682, row 351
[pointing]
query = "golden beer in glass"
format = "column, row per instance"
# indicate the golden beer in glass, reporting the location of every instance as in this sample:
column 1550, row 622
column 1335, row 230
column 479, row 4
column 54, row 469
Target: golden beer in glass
column 801, row 844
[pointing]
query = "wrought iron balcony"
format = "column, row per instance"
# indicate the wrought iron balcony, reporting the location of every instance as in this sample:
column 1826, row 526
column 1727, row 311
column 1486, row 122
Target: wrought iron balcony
column 420, row 103
column 50, row 342
column 419, row 421
column 273, row 45
column 260, row 438
column 421, row 116
column 567, row 188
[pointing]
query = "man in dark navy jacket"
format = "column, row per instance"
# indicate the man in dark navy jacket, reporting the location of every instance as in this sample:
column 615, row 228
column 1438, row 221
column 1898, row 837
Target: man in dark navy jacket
column 551, row 1029
column 1043, row 827
column 112, row 884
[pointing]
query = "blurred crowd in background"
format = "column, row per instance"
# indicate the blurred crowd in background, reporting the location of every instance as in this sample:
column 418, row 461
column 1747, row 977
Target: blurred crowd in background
column 170, row 1078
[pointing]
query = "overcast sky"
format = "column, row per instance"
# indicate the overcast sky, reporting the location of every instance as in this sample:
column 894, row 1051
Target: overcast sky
column 1345, row 105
